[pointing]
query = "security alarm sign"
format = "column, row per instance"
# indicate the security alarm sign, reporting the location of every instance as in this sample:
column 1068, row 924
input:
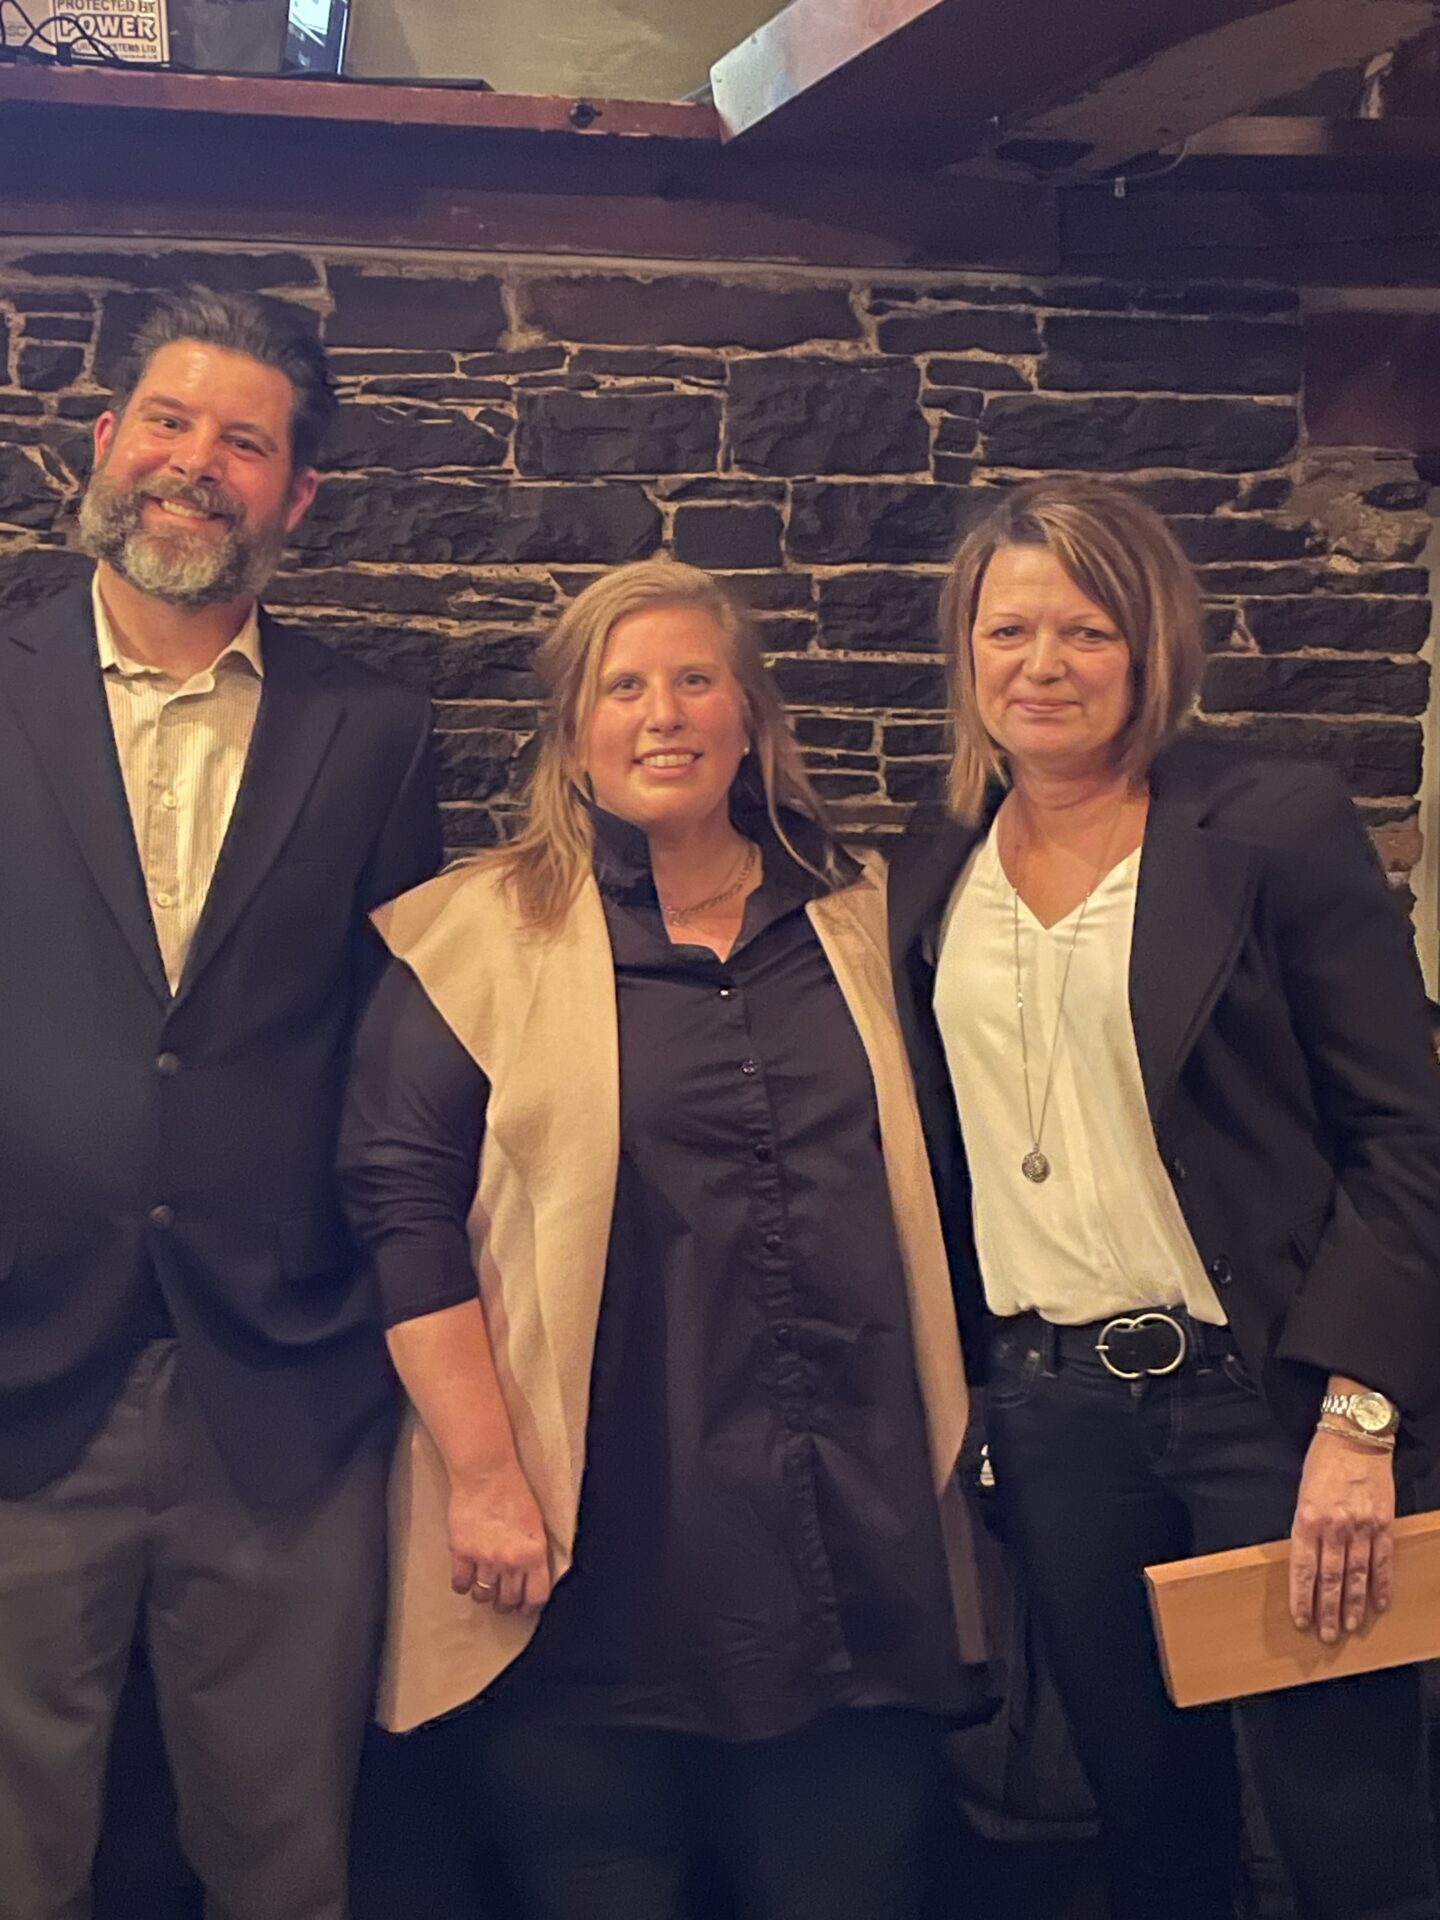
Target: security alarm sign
column 134, row 31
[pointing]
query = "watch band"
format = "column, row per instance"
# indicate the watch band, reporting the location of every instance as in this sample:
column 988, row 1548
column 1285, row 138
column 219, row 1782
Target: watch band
column 1342, row 1406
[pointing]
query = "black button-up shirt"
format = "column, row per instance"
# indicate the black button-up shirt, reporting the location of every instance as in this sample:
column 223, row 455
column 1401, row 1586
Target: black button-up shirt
column 758, row 1537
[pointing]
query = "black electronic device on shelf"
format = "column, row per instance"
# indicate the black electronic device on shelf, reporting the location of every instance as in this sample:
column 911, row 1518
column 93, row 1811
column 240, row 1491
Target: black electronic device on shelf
column 315, row 41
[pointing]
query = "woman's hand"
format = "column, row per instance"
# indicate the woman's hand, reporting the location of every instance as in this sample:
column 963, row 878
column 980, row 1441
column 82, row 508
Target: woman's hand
column 1341, row 1555
column 498, row 1551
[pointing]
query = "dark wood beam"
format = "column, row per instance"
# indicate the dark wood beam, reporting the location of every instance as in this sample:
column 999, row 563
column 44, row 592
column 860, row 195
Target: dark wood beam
column 1373, row 380
column 1291, row 150
column 73, row 160
column 930, row 75
column 1299, row 238
column 1157, row 98
column 1408, row 82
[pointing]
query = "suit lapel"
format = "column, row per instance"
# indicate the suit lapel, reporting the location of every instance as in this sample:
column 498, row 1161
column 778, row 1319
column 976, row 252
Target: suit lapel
column 922, row 881
column 59, row 697
column 1191, row 911
column 300, row 710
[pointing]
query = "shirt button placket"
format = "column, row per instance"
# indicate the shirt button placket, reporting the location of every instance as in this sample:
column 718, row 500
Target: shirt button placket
column 165, row 847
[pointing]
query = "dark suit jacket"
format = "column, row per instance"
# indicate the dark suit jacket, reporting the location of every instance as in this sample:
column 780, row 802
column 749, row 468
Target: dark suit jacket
column 189, row 1141
column 1284, row 1045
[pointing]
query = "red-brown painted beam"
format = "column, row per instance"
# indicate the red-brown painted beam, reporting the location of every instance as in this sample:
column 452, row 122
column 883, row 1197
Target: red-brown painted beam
column 355, row 100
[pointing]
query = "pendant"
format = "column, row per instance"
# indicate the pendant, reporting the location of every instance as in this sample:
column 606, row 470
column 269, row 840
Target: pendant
column 1035, row 1166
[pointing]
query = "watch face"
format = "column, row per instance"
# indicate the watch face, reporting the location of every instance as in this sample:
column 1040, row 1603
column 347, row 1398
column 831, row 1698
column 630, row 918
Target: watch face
column 1372, row 1412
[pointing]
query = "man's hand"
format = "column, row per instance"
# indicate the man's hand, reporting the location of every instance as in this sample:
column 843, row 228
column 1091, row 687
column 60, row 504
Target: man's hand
column 1341, row 1555
column 498, row 1551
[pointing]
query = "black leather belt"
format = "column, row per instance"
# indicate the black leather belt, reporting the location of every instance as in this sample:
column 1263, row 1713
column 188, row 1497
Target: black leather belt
column 1147, row 1344
column 1134, row 1344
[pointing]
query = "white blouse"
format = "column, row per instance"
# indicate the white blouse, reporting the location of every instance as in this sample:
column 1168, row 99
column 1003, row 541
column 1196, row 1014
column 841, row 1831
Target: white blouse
column 1104, row 1234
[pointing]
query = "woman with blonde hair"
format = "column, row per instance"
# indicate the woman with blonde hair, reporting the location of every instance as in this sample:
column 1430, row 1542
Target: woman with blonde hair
column 633, row 1147
column 1193, row 1196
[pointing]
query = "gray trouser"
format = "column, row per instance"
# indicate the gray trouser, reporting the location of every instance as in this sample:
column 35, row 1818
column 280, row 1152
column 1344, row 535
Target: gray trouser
column 262, row 1625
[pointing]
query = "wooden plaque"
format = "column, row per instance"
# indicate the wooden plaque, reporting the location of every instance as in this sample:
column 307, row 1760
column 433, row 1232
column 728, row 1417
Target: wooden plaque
column 1223, row 1622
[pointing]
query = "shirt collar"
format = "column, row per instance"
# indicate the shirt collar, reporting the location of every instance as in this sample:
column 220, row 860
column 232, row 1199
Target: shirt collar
column 243, row 649
column 622, row 855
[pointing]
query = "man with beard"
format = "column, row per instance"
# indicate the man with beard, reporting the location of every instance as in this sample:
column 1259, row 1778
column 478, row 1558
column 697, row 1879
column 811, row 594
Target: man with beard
column 199, row 810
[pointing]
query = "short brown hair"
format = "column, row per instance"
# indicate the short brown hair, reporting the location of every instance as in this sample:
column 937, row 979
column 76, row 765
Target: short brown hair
column 550, row 856
column 1122, row 554
column 274, row 332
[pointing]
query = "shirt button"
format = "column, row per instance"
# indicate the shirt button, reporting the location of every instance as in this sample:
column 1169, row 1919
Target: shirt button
column 168, row 1064
column 1221, row 1272
column 170, row 800
column 783, row 1335
column 162, row 1218
column 749, row 1066
column 164, row 899
column 762, row 1151
column 773, row 1242
column 727, row 993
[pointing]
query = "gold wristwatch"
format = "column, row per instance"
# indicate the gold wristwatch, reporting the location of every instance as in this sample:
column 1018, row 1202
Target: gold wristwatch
column 1370, row 1413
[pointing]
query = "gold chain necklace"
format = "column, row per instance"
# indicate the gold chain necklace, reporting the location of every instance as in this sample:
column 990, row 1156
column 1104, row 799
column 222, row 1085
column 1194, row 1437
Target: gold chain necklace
column 678, row 916
column 1036, row 1164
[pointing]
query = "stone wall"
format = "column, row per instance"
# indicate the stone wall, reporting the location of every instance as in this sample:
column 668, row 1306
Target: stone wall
column 511, row 428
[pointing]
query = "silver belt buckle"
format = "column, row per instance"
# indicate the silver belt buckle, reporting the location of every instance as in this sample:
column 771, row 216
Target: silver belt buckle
column 1132, row 1323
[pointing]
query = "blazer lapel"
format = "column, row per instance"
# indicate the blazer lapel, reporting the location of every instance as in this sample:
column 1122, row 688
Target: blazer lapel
column 1191, row 911
column 924, row 876
column 300, row 710
column 59, row 697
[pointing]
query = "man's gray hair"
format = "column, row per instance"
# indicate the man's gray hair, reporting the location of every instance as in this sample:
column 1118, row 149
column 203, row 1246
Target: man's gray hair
column 275, row 333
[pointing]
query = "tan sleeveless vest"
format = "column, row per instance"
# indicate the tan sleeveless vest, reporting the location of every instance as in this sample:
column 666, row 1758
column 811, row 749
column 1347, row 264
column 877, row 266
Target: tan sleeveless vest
column 537, row 1012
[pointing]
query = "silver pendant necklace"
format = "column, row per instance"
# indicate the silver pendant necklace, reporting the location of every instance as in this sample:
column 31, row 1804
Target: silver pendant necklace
column 1036, row 1164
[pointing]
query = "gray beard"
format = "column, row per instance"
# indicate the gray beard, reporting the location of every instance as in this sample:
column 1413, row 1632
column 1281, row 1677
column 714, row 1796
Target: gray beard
column 182, row 569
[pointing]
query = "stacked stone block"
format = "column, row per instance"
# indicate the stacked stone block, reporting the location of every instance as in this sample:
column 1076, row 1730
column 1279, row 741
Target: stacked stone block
column 509, row 430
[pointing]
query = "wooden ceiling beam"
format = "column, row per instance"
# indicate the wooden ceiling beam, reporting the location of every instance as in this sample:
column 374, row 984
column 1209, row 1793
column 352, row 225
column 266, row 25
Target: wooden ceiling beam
column 1079, row 87
column 113, row 165
column 1218, row 70
column 929, row 75
column 155, row 90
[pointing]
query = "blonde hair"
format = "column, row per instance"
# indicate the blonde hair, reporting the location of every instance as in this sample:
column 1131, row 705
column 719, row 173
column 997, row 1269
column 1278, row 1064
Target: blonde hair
column 553, row 851
column 1119, row 552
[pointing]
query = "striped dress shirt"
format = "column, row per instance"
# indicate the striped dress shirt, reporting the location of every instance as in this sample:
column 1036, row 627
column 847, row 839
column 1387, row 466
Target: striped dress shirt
column 182, row 749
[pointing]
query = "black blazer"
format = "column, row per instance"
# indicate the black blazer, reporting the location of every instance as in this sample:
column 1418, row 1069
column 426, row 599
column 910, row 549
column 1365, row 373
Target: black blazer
column 189, row 1141
column 1284, row 1045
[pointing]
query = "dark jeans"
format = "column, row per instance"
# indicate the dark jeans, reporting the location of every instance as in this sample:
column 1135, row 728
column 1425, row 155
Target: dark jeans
column 1099, row 1477
column 633, row 1824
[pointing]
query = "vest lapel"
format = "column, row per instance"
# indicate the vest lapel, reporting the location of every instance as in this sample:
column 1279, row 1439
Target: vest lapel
column 539, row 1019
column 851, row 928
column 569, row 1044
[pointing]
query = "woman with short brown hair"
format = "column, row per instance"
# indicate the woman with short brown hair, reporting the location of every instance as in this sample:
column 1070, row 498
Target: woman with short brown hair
column 1193, row 1196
